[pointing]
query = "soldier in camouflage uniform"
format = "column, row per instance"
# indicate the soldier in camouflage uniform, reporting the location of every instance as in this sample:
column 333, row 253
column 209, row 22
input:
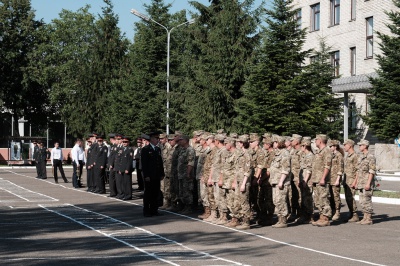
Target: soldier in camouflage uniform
column 321, row 179
column 197, row 148
column 295, row 157
column 336, row 177
column 366, row 170
column 350, row 171
column 306, row 186
column 225, row 183
column 174, row 182
column 186, row 162
column 166, row 153
column 216, row 172
column 202, row 188
column 257, row 163
column 280, row 180
column 206, row 175
column 241, row 184
column 264, row 198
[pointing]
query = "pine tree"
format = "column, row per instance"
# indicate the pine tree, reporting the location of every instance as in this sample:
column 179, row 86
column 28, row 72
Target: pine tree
column 385, row 109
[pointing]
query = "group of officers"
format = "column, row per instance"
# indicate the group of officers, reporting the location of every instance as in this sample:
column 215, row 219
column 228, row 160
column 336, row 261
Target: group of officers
column 238, row 179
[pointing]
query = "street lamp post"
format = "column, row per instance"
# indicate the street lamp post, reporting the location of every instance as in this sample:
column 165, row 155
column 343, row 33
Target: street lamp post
column 146, row 18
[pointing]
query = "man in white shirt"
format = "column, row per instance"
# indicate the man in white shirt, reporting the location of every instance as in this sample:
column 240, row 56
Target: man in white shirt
column 78, row 161
column 56, row 159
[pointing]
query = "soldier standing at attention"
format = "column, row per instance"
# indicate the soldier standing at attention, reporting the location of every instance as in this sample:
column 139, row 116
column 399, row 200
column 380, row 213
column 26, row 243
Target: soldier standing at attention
column 174, row 182
column 257, row 163
column 202, row 188
column 186, row 179
column 93, row 150
column 241, row 184
column 110, row 165
column 280, row 180
column 89, row 168
column 100, row 166
column 321, row 179
column 306, row 185
column 35, row 157
column 166, row 148
column 295, row 157
column 206, row 174
column 125, row 168
column 336, row 177
column 42, row 160
column 366, row 170
column 350, row 171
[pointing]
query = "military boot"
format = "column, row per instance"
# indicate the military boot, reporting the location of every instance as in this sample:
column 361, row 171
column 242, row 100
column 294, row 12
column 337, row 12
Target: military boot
column 167, row 204
column 187, row 209
column 206, row 214
column 173, row 207
column 324, row 221
column 213, row 216
column 245, row 225
column 233, row 223
column 367, row 220
column 317, row 221
column 282, row 223
column 336, row 217
column 223, row 218
column 354, row 218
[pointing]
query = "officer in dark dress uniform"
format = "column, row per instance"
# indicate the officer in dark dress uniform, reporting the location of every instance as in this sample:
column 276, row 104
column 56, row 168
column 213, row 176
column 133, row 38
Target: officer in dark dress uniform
column 89, row 165
column 100, row 166
column 124, row 170
column 42, row 160
column 153, row 173
column 110, row 164
column 35, row 157
column 138, row 165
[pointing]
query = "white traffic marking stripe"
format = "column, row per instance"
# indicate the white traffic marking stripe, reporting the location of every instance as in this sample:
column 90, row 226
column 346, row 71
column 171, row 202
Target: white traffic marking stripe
column 154, row 245
column 22, row 193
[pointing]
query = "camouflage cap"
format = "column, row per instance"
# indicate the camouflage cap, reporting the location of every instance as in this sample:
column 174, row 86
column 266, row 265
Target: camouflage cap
column 220, row 137
column 204, row 136
column 200, row 132
column 321, row 137
column 243, row 138
column 171, row 136
column 254, row 137
column 233, row 135
column 267, row 135
column 287, row 138
column 296, row 137
column 195, row 133
column 267, row 140
column 282, row 139
column 333, row 142
column 274, row 138
column 230, row 140
column 163, row 136
column 307, row 138
column 220, row 131
column 349, row 142
column 210, row 136
column 305, row 142
column 363, row 142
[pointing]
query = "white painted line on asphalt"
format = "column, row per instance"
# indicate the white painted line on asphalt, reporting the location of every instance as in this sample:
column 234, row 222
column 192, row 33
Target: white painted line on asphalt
column 154, row 245
column 72, row 258
column 393, row 201
column 22, row 193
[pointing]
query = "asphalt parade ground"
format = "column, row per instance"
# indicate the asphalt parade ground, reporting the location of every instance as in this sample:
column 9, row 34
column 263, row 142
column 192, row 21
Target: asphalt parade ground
column 43, row 223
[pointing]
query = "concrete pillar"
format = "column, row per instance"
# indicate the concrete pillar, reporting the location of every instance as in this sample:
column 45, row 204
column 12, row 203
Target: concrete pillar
column 346, row 116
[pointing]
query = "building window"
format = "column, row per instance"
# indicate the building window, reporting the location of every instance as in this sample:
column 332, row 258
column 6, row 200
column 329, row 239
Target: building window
column 335, row 61
column 314, row 59
column 315, row 17
column 353, row 61
column 353, row 9
column 335, row 12
column 370, row 36
column 298, row 18
column 353, row 115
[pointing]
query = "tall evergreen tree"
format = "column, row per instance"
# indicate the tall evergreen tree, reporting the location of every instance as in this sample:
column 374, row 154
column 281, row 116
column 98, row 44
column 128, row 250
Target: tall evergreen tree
column 270, row 100
column 19, row 94
column 222, row 44
column 385, row 109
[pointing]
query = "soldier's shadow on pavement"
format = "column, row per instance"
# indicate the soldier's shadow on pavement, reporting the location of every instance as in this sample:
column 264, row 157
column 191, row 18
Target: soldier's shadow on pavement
column 381, row 218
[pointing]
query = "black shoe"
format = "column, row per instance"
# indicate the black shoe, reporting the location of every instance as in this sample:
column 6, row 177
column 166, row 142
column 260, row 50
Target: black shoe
column 112, row 196
column 66, row 181
column 101, row 192
column 43, row 178
column 56, row 182
column 127, row 198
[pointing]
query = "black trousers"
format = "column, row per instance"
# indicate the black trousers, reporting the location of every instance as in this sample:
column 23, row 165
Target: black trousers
column 90, row 180
column 37, row 168
column 99, row 177
column 58, row 164
column 42, row 169
column 150, row 197
column 139, row 178
column 127, row 185
column 112, row 183
column 77, row 173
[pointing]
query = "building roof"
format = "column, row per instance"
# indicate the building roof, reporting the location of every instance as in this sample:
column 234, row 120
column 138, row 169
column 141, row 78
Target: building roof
column 353, row 84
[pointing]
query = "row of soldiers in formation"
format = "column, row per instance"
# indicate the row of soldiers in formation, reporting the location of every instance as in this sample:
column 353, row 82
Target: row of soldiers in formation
column 237, row 177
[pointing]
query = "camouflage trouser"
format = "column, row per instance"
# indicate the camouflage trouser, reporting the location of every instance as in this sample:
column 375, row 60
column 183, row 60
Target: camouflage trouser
column 351, row 202
column 222, row 199
column 174, row 188
column 254, row 195
column 280, row 197
column 335, row 197
column 186, row 191
column 307, row 200
column 203, row 194
column 216, row 194
column 241, row 204
column 265, row 201
column 366, row 200
column 294, row 196
column 321, row 200
column 166, row 188
column 210, row 196
column 230, row 200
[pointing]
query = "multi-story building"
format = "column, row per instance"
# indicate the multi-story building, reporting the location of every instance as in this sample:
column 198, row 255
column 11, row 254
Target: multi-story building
column 349, row 28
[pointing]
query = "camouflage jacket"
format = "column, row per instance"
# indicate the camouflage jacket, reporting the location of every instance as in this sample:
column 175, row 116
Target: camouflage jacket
column 337, row 167
column 229, row 169
column 208, row 164
column 242, row 166
column 322, row 161
column 217, row 163
column 350, row 167
column 366, row 165
column 280, row 165
column 200, row 162
column 295, row 157
column 186, row 158
column 306, row 164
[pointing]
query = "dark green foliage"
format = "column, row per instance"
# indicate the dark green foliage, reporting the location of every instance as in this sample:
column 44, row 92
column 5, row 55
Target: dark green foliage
column 385, row 109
